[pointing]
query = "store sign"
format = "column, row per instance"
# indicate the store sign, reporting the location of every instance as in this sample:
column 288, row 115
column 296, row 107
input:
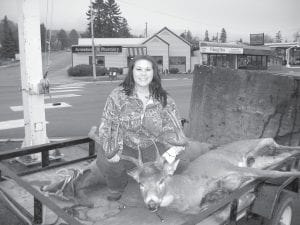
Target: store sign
column 221, row 50
column 77, row 49
column 257, row 39
column 116, row 49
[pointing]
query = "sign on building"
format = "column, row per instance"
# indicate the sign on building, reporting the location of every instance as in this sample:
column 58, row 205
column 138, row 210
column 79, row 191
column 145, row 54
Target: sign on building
column 257, row 39
column 221, row 50
column 78, row 49
column 115, row 49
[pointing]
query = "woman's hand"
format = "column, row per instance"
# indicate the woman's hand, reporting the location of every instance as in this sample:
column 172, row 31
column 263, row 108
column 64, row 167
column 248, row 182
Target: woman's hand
column 116, row 158
column 171, row 154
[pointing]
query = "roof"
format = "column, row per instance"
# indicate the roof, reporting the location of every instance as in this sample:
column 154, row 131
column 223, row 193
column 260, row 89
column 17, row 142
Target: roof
column 165, row 28
column 283, row 45
column 156, row 37
column 112, row 41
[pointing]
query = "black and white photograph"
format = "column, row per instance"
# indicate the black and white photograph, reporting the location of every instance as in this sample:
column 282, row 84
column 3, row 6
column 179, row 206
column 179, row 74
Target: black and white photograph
column 148, row 112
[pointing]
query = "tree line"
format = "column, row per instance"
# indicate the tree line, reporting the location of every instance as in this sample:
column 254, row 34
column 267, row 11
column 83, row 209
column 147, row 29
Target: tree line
column 58, row 39
column 108, row 23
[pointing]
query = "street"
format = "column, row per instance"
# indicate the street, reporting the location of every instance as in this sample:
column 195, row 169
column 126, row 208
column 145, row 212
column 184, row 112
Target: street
column 75, row 106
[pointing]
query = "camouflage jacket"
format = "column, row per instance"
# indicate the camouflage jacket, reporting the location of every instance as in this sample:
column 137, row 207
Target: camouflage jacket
column 125, row 121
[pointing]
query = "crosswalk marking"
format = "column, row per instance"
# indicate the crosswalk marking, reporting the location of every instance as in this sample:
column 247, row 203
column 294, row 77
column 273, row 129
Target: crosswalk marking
column 60, row 91
column 10, row 124
column 47, row 106
column 63, row 88
column 62, row 96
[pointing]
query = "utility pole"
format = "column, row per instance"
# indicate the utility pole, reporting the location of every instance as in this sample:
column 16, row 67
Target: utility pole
column 93, row 43
column 31, row 74
column 146, row 30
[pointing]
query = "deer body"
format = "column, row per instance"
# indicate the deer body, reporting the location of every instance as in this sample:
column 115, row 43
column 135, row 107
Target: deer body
column 210, row 176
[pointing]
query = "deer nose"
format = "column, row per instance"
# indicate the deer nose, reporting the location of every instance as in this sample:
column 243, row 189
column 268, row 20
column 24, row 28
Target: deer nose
column 153, row 206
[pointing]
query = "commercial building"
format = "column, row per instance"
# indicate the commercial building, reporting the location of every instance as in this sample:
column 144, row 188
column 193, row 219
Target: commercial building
column 168, row 49
column 235, row 56
column 289, row 53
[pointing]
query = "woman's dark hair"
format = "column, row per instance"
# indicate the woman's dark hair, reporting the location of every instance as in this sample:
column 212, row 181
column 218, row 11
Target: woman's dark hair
column 155, row 88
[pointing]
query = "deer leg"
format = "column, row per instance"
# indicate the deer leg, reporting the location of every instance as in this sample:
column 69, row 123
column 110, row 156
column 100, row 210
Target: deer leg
column 259, row 173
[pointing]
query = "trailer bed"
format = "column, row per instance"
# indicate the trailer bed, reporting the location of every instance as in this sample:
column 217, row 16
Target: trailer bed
column 130, row 209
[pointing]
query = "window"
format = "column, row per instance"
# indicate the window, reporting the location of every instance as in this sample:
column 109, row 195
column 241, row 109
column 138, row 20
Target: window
column 158, row 59
column 178, row 62
column 99, row 60
column 252, row 62
column 221, row 60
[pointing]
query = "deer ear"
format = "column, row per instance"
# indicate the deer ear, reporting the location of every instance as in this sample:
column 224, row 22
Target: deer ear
column 135, row 174
column 170, row 168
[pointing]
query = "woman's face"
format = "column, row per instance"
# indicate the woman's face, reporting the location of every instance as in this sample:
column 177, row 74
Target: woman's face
column 142, row 73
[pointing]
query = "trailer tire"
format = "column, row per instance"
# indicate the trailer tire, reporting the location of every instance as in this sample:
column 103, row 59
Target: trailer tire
column 283, row 212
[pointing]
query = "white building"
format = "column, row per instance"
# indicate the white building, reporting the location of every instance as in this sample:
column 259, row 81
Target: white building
column 168, row 49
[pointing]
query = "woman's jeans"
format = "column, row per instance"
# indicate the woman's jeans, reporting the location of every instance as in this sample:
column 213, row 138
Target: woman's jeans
column 115, row 173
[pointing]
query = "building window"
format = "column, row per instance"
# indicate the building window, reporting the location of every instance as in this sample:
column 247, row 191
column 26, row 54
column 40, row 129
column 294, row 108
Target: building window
column 159, row 60
column 252, row 62
column 221, row 60
column 178, row 62
column 99, row 60
column 295, row 56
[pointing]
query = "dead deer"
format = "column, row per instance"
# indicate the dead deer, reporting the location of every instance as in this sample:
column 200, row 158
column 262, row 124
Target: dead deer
column 217, row 172
column 209, row 176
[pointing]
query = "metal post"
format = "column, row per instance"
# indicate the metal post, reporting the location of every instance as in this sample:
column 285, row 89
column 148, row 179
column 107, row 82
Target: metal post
column 93, row 43
column 37, row 211
column 31, row 73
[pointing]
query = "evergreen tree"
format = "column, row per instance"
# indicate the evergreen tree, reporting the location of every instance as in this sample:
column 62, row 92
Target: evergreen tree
column 124, row 29
column 113, row 13
column 278, row 37
column 9, row 43
column 268, row 38
column 223, row 37
column 296, row 36
column 214, row 38
column 63, row 38
column 108, row 21
column 206, row 38
column 73, row 36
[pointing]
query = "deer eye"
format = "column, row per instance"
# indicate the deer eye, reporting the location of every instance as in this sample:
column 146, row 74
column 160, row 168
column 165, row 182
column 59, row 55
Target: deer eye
column 142, row 185
column 161, row 182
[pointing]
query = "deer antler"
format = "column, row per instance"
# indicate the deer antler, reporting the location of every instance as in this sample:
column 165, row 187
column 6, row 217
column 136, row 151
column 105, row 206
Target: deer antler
column 181, row 138
column 159, row 160
column 138, row 162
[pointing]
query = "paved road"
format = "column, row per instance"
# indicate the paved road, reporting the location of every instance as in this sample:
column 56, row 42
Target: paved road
column 84, row 101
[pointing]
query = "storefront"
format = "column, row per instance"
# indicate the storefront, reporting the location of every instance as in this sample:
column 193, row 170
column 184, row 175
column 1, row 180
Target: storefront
column 168, row 49
column 235, row 56
column 288, row 52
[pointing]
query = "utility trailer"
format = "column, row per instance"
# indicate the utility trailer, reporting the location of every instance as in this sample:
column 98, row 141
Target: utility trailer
column 273, row 198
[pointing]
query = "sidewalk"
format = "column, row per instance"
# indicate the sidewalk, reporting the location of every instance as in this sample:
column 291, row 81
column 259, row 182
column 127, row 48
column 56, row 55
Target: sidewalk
column 121, row 77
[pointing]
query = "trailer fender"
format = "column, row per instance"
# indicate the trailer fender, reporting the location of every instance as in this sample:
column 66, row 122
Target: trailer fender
column 267, row 198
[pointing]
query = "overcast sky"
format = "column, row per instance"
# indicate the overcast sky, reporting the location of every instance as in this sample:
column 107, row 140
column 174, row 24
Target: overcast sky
column 238, row 17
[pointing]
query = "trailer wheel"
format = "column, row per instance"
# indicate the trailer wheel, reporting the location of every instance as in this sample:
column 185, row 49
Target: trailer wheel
column 283, row 213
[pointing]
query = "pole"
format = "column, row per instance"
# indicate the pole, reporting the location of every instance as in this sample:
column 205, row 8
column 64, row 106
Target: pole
column 31, row 74
column 93, row 43
column 146, row 30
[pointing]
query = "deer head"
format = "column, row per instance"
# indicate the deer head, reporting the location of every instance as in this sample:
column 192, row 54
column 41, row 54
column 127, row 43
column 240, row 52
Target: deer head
column 152, row 178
